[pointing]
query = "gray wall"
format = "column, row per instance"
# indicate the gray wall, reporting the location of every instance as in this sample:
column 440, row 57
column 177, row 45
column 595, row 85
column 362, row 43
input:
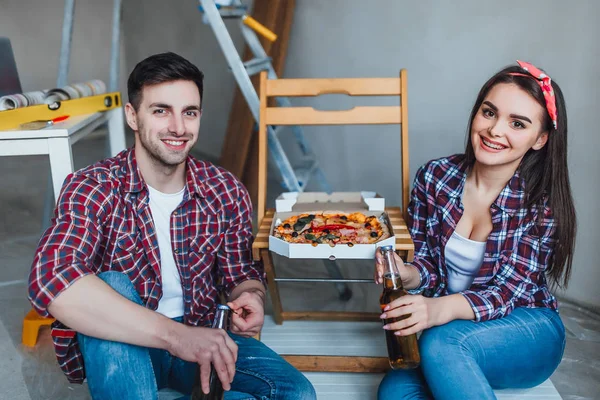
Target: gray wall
column 448, row 49
column 35, row 27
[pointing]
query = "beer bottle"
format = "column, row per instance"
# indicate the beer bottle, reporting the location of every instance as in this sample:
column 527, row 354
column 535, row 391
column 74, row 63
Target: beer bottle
column 403, row 351
column 216, row 392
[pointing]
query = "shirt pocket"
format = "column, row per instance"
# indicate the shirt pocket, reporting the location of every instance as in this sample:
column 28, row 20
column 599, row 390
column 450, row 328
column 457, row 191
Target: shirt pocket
column 127, row 254
column 203, row 252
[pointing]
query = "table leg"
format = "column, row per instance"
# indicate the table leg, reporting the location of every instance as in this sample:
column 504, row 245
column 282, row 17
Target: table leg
column 61, row 162
column 116, row 131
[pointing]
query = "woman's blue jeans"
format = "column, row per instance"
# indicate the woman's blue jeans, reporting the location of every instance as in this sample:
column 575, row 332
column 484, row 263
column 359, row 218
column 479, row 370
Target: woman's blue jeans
column 122, row 371
column 467, row 360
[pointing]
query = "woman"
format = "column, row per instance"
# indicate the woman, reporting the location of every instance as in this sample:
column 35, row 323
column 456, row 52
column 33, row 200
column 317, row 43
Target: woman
column 493, row 228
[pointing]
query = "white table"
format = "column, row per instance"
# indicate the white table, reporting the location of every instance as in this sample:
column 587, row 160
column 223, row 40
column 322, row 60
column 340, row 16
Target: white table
column 56, row 141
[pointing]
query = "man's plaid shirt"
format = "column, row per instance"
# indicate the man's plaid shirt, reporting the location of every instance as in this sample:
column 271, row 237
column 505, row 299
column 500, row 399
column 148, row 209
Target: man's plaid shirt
column 103, row 223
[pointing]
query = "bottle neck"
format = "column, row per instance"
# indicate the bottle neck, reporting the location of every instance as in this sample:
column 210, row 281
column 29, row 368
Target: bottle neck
column 391, row 275
column 221, row 320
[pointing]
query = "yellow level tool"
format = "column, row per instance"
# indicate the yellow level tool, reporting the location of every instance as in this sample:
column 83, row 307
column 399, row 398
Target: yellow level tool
column 12, row 119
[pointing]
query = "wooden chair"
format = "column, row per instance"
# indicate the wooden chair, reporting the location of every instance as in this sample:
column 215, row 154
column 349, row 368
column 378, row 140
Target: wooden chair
column 309, row 116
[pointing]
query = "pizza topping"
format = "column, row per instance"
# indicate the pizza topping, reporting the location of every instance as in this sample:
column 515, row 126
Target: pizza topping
column 331, row 228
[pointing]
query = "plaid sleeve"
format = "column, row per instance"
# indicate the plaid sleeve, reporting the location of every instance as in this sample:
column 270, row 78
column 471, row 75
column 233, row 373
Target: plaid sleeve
column 519, row 273
column 418, row 210
column 68, row 247
column 235, row 255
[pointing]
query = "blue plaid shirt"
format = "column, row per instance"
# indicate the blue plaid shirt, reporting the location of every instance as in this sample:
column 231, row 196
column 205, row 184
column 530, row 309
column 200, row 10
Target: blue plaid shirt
column 517, row 254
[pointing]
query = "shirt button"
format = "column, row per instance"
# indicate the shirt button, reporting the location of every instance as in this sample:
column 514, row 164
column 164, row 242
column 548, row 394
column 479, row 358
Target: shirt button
column 175, row 213
column 176, row 251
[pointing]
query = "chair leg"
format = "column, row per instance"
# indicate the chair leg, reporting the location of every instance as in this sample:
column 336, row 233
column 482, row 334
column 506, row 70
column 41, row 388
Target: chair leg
column 344, row 291
column 31, row 327
column 267, row 259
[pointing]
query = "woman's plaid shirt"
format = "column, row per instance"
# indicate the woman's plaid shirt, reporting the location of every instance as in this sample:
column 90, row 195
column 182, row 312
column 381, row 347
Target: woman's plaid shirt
column 518, row 250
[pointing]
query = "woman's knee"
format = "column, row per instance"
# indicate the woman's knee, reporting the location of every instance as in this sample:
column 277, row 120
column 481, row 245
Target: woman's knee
column 403, row 385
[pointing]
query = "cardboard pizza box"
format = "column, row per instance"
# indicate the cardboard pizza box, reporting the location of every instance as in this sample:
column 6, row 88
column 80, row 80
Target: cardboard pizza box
column 293, row 203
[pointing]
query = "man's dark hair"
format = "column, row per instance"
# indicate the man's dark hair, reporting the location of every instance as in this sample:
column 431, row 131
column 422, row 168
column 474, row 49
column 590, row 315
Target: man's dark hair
column 160, row 68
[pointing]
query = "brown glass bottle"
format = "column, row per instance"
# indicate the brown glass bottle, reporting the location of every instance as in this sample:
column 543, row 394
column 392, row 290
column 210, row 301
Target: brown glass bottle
column 216, row 392
column 403, row 351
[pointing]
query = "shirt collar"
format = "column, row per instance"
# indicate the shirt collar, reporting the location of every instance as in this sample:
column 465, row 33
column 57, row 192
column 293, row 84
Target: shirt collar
column 510, row 199
column 134, row 183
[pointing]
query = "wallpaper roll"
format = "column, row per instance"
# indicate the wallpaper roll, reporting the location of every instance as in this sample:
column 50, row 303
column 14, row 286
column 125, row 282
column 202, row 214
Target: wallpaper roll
column 49, row 96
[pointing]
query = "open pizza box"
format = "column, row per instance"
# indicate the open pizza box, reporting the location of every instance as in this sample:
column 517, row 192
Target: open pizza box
column 293, row 203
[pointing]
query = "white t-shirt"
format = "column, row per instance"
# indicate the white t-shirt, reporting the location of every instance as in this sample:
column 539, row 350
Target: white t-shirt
column 463, row 260
column 162, row 206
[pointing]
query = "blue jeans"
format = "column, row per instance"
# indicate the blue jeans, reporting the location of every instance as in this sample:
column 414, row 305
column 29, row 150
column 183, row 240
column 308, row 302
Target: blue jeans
column 467, row 360
column 123, row 371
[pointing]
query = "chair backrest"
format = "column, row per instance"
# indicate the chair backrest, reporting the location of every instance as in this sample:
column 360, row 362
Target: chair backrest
column 309, row 116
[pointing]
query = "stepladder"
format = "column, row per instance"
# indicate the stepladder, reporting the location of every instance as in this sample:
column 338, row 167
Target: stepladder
column 295, row 175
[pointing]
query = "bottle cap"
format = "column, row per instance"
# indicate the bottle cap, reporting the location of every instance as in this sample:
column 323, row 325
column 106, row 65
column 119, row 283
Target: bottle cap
column 223, row 307
column 387, row 248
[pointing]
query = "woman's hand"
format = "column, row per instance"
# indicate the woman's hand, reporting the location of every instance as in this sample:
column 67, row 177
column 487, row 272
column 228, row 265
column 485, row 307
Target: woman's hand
column 416, row 312
column 409, row 274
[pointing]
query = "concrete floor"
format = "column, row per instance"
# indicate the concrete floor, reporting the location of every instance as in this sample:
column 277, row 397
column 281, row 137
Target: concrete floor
column 32, row 373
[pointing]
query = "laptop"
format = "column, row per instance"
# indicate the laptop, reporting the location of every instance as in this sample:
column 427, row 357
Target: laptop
column 9, row 77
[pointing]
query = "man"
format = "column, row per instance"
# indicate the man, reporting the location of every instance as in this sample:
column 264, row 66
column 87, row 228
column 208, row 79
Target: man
column 139, row 249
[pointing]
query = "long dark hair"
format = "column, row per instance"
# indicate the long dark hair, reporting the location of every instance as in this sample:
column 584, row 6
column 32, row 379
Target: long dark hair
column 544, row 171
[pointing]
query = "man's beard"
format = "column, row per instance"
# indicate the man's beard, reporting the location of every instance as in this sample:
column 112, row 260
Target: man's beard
column 158, row 154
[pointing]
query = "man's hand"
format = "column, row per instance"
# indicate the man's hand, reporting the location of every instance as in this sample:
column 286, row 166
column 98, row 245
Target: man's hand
column 248, row 313
column 206, row 346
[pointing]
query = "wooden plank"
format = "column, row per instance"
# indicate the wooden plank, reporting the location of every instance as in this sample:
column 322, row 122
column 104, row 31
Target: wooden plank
column 330, row 316
column 348, row 86
column 279, row 20
column 404, row 144
column 276, row 15
column 262, row 152
column 356, row 116
column 339, row 363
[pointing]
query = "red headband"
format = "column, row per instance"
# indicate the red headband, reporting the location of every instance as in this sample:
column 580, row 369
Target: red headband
column 545, row 83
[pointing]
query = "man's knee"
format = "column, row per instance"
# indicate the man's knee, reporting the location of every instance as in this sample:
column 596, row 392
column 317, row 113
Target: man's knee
column 121, row 283
column 304, row 389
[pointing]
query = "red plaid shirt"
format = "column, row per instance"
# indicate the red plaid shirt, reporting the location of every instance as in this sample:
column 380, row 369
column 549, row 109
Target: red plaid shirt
column 517, row 253
column 103, row 223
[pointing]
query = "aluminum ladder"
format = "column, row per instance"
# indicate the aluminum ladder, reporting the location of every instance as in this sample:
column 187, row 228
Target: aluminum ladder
column 295, row 178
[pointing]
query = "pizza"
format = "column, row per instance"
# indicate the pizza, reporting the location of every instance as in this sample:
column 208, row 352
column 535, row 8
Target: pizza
column 332, row 228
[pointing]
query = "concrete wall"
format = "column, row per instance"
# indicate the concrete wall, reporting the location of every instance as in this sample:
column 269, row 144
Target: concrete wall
column 448, row 48
column 35, row 28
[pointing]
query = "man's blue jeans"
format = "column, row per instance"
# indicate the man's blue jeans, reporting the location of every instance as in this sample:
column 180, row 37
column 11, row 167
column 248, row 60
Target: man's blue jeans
column 467, row 360
column 122, row 371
